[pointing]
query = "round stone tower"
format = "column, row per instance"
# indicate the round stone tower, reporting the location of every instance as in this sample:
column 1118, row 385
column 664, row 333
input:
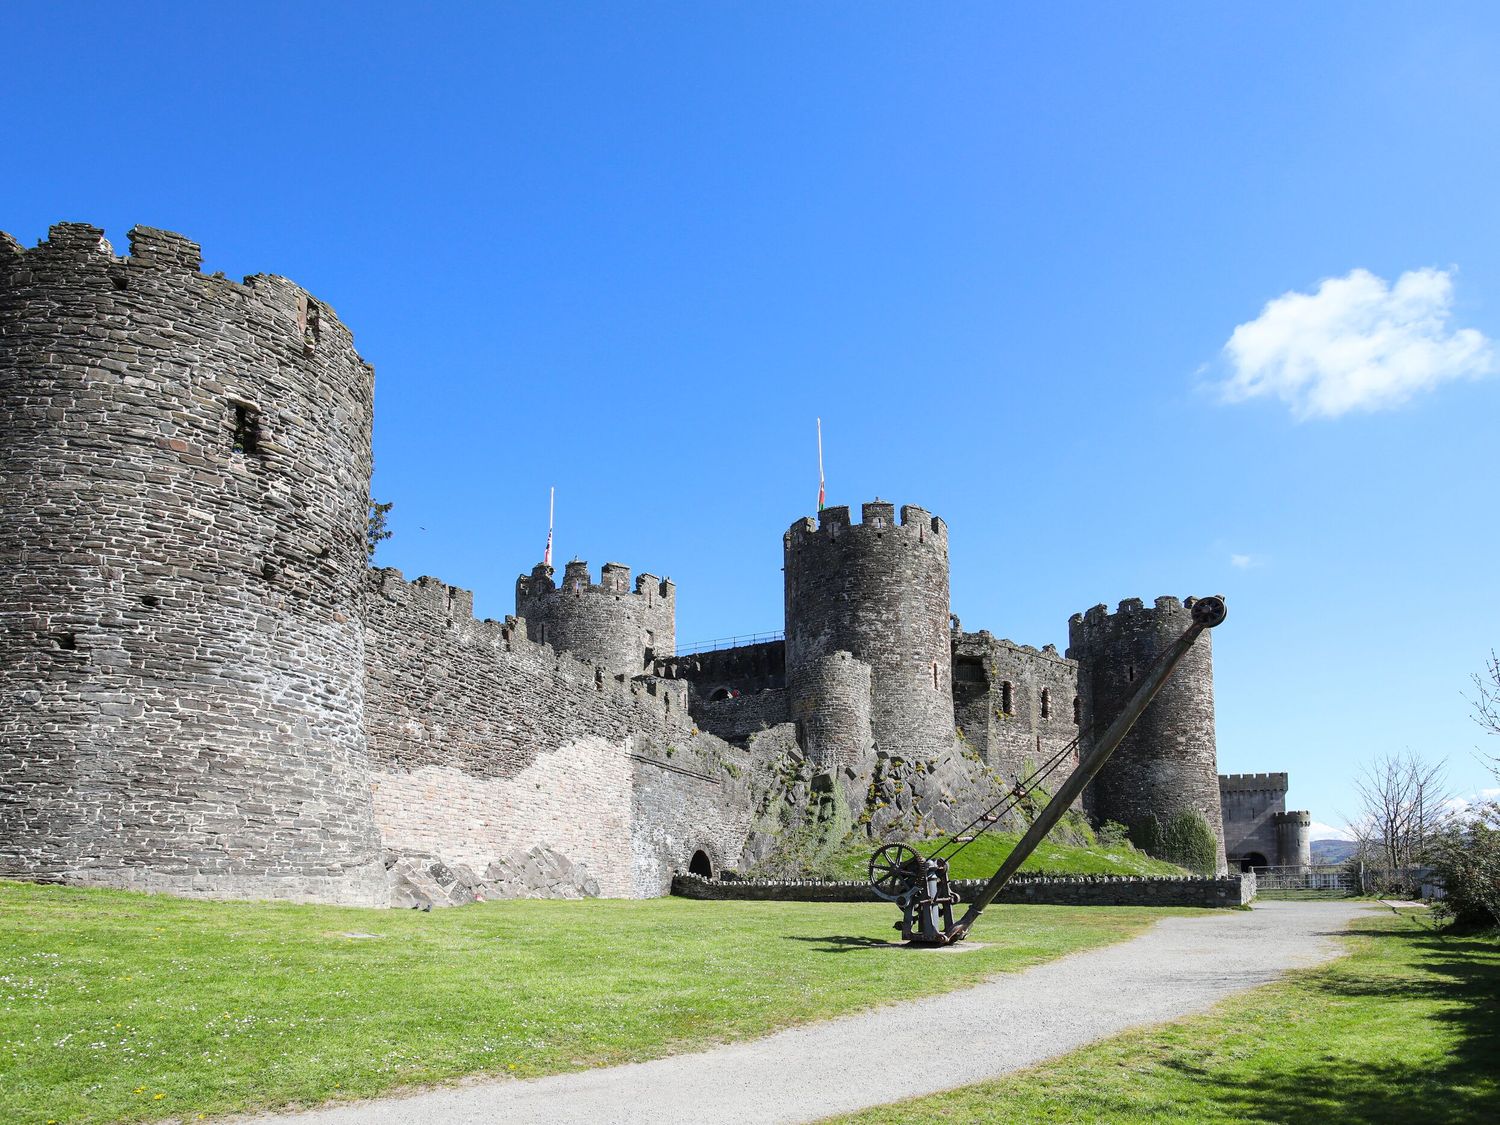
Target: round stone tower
column 830, row 703
column 1168, row 762
column 620, row 630
column 877, row 590
column 1293, row 838
column 184, row 478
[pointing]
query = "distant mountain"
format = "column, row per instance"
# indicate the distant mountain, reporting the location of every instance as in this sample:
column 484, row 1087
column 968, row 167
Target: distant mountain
column 1332, row 851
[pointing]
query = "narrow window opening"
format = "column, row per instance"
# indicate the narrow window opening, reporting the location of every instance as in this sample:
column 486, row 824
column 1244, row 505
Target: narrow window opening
column 1046, row 704
column 1130, row 671
column 1077, row 710
column 246, row 429
column 935, row 685
column 313, row 332
column 1005, row 698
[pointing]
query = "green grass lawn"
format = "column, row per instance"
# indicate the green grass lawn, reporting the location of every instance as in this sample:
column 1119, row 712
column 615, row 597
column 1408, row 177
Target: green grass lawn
column 1405, row 1029
column 125, row 1007
column 983, row 858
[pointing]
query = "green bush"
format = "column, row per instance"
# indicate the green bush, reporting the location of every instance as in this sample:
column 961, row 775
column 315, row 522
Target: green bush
column 1467, row 859
column 1147, row 835
column 1189, row 842
column 1185, row 840
column 1113, row 834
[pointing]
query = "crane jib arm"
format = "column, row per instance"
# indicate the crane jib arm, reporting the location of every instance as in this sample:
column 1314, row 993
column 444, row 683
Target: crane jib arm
column 925, row 897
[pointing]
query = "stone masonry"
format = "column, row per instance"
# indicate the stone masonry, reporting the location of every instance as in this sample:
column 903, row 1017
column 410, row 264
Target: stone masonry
column 208, row 692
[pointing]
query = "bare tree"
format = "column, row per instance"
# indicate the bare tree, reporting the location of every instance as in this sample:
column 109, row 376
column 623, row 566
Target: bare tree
column 1405, row 804
column 1486, row 704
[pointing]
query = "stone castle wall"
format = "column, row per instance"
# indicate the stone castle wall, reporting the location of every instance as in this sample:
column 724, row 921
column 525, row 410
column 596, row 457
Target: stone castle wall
column 1167, row 764
column 184, row 468
column 484, row 744
column 1017, row 705
column 213, row 695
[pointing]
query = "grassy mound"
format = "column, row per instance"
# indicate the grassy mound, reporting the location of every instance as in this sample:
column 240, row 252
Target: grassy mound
column 983, row 857
column 128, row 1007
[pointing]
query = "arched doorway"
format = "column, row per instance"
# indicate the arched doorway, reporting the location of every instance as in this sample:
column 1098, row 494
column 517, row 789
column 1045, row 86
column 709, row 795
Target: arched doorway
column 701, row 865
column 1252, row 861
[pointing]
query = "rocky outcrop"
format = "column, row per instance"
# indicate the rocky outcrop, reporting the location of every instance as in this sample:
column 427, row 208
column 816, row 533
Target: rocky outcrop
column 418, row 880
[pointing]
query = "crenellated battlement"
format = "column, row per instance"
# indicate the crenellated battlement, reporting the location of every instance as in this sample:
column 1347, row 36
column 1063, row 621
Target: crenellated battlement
column 614, row 580
column 428, row 605
column 1253, row 782
column 1132, row 607
column 877, row 520
column 79, row 252
column 984, row 641
column 1294, row 816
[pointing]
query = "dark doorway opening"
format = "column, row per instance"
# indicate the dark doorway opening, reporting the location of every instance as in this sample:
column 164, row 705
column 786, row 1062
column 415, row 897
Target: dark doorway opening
column 700, row 865
column 1253, row 860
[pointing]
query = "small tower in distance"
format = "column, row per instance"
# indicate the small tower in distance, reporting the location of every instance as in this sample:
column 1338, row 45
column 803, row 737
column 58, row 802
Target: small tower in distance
column 1293, row 838
column 621, row 630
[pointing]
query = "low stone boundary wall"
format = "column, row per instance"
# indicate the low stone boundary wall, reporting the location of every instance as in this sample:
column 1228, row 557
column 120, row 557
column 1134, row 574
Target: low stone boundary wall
column 1040, row 890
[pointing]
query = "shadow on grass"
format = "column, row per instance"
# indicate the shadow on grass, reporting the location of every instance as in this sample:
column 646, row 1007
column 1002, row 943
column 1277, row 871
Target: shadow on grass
column 845, row 943
column 1456, row 979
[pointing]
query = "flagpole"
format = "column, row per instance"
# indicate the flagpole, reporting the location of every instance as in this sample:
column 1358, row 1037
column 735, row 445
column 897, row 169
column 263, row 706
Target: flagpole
column 551, row 508
column 820, row 464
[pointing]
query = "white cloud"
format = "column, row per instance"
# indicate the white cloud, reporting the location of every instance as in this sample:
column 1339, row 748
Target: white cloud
column 1358, row 343
column 1245, row 562
column 1321, row 831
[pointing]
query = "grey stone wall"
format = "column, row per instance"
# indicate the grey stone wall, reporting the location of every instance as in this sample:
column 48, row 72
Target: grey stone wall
column 485, row 744
column 879, row 591
column 607, row 622
column 746, row 669
column 1250, row 803
column 1168, row 761
column 1041, row 890
column 1015, row 704
column 736, row 719
column 184, row 467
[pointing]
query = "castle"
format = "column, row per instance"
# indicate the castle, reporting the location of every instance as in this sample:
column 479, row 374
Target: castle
column 209, row 692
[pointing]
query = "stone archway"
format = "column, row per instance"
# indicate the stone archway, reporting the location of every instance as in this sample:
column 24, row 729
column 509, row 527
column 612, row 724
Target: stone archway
column 700, row 864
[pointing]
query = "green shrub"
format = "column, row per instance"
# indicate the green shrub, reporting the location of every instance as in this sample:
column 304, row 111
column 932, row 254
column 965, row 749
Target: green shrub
column 1113, row 834
column 1147, row 835
column 1189, row 842
column 1185, row 840
column 1467, row 859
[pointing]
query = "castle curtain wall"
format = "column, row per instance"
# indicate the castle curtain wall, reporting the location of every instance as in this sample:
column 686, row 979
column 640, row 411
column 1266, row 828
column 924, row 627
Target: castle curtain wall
column 486, row 744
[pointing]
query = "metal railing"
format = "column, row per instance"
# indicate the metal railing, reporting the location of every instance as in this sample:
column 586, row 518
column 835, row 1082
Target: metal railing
column 693, row 648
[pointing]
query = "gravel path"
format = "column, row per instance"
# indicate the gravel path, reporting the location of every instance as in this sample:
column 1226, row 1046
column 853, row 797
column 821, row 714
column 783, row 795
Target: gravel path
column 1180, row 966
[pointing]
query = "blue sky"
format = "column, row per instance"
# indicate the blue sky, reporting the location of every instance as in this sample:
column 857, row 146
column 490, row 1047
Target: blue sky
column 633, row 250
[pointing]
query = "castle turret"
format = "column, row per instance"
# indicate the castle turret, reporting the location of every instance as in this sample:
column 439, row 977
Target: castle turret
column 185, row 464
column 1293, row 838
column 620, row 630
column 877, row 590
column 1167, row 764
column 830, row 703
